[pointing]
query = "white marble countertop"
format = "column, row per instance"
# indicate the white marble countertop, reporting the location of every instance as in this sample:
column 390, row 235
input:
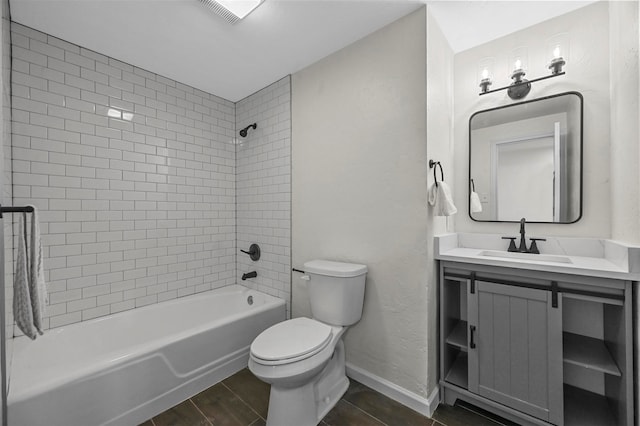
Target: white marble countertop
column 585, row 256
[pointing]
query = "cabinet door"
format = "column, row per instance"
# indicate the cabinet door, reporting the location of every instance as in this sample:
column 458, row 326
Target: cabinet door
column 515, row 348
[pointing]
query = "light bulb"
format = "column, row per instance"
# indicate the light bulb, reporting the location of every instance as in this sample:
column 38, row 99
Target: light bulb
column 518, row 64
column 485, row 73
column 556, row 52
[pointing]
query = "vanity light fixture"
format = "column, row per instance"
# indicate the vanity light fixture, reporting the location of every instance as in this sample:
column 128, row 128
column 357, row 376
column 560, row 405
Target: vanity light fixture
column 520, row 87
column 486, row 81
column 557, row 62
column 232, row 10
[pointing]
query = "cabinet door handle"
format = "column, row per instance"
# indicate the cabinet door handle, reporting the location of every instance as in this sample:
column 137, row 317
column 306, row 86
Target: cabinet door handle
column 472, row 329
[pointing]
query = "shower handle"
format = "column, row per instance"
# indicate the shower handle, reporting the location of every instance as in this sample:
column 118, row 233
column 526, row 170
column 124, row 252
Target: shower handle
column 254, row 252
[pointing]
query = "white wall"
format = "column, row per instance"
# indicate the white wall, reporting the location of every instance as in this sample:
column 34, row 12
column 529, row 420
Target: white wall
column 587, row 72
column 625, row 116
column 134, row 175
column 359, row 192
column 6, row 247
column 263, row 185
column 440, row 148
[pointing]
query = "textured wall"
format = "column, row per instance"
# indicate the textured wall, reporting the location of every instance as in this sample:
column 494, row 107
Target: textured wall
column 134, row 175
column 587, row 71
column 439, row 148
column 625, row 119
column 263, row 184
column 359, row 190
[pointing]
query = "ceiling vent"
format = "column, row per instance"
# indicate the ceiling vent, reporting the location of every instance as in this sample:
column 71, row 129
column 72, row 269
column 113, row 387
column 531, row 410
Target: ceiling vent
column 232, row 10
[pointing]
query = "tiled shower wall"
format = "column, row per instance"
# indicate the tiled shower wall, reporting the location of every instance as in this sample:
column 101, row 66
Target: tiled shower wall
column 264, row 188
column 5, row 162
column 133, row 173
column 5, row 188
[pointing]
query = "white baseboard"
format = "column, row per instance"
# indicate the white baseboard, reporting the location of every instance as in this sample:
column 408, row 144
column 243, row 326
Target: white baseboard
column 425, row 406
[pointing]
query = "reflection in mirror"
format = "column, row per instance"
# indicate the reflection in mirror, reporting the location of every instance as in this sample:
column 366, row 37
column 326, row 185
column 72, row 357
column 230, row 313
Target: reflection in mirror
column 525, row 160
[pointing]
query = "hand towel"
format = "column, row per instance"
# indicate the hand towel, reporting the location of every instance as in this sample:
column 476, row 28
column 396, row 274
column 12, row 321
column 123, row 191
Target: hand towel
column 474, row 202
column 439, row 196
column 38, row 289
column 22, row 307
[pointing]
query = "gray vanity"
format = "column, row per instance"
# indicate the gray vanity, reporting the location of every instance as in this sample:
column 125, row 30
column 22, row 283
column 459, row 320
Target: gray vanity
column 538, row 339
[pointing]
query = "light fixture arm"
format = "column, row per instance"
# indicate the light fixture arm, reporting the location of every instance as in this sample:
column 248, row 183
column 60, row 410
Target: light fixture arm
column 522, row 82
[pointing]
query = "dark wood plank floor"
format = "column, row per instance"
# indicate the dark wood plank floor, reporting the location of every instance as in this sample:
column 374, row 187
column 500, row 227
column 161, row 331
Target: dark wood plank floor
column 243, row 400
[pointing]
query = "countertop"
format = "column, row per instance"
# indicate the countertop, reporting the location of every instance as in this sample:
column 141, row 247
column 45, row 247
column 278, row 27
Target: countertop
column 588, row 257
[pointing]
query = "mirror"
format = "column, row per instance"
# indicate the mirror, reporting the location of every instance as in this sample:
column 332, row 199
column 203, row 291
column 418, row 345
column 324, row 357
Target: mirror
column 525, row 160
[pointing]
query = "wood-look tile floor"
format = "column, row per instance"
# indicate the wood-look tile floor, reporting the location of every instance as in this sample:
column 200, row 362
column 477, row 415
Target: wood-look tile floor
column 243, row 400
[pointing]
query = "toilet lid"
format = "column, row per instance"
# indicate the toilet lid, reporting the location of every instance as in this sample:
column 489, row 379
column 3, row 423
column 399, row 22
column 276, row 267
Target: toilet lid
column 291, row 339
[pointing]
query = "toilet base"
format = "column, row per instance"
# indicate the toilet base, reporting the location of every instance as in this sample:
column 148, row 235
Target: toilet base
column 306, row 405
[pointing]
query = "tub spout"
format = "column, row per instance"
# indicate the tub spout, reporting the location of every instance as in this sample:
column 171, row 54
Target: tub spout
column 251, row 274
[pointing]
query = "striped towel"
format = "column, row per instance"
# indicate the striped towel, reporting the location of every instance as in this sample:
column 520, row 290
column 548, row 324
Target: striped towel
column 29, row 287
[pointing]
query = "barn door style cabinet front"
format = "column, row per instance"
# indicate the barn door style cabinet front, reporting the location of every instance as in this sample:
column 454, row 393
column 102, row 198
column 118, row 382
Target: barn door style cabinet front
column 536, row 347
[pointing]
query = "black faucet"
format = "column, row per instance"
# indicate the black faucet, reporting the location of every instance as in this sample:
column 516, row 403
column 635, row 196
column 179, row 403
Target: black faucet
column 533, row 249
column 251, row 274
column 523, row 241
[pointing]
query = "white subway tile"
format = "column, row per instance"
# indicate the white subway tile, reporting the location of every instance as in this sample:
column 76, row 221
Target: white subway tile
column 46, row 49
column 63, row 44
column 65, row 296
column 48, row 169
column 29, row 105
column 100, row 311
column 155, row 196
column 60, row 320
column 29, row 56
column 79, row 60
column 100, row 268
column 78, row 305
column 123, row 306
column 80, row 105
column 63, row 135
column 86, row 172
column 81, row 237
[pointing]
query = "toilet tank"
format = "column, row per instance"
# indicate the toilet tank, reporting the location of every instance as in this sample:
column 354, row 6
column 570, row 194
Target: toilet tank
column 336, row 291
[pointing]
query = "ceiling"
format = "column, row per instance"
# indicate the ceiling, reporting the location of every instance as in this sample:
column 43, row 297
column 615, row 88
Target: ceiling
column 185, row 41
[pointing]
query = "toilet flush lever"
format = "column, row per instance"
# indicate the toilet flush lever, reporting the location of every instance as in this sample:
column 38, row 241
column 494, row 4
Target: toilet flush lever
column 303, row 277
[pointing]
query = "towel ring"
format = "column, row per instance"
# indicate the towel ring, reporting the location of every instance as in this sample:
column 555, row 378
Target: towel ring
column 473, row 186
column 432, row 165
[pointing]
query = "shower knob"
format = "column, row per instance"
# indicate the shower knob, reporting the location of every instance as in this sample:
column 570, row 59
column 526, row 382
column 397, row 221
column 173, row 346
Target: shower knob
column 254, row 252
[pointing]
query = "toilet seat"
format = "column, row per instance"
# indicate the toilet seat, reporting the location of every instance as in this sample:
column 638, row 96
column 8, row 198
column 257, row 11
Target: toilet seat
column 290, row 341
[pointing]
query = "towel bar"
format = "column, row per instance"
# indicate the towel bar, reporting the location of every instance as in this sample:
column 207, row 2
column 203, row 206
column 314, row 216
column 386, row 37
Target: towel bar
column 25, row 209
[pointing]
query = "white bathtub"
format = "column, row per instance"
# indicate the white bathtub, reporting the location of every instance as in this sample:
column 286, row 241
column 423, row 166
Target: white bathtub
column 125, row 368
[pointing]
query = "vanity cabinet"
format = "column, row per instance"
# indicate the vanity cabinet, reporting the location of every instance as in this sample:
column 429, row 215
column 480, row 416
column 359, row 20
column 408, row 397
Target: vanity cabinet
column 536, row 347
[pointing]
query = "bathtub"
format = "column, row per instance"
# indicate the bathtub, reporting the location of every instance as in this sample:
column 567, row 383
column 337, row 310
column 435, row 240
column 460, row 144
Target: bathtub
column 125, row 368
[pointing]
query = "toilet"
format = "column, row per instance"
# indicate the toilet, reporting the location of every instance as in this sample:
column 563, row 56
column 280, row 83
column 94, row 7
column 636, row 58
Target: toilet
column 303, row 359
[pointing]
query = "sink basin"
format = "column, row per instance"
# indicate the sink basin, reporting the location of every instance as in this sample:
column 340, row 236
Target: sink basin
column 526, row 256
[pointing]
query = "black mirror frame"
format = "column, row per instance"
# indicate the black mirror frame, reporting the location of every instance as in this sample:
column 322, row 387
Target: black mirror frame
column 579, row 95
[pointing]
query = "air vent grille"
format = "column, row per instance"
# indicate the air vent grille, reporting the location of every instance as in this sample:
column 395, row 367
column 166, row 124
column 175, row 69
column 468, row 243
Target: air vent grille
column 220, row 10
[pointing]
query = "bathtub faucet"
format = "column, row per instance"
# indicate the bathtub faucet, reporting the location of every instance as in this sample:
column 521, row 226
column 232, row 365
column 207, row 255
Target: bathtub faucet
column 251, row 274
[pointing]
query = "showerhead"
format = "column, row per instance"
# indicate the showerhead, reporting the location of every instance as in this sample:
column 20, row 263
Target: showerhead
column 243, row 132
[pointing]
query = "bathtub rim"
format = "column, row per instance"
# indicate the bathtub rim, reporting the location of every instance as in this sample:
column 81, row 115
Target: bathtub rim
column 113, row 359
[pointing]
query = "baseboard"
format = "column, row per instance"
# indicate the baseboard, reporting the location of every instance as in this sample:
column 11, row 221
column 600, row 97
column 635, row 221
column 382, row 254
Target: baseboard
column 425, row 406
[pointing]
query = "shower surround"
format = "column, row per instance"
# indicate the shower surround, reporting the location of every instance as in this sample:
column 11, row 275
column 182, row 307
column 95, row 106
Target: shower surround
column 263, row 183
column 135, row 176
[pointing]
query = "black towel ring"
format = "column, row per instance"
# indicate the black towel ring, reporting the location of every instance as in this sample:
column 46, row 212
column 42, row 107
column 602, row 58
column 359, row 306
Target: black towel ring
column 473, row 186
column 432, row 165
